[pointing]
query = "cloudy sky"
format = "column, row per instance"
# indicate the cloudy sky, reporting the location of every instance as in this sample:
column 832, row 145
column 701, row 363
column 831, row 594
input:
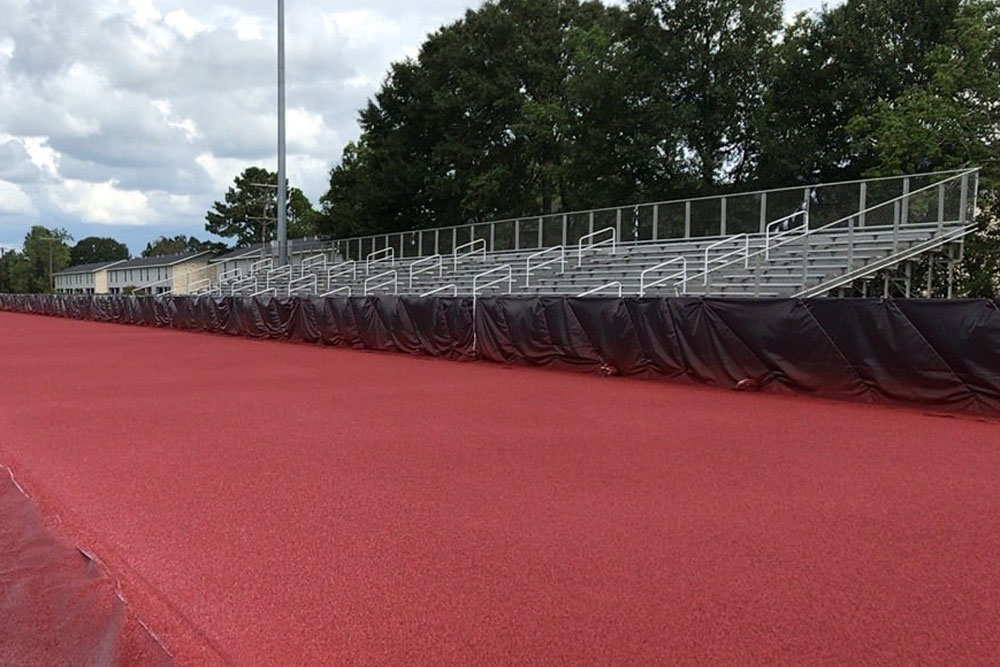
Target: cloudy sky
column 128, row 118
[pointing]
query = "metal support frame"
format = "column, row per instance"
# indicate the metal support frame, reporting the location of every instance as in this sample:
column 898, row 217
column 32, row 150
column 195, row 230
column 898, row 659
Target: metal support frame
column 392, row 278
column 597, row 290
column 682, row 274
column 561, row 259
column 509, row 278
column 427, row 264
column 261, row 266
column 310, row 283
column 612, row 240
column 314, row 260
column 744, row 251
column 769, row 236
column 443, row 288
column 475, row 246
column 281, row 271
column 387, row 253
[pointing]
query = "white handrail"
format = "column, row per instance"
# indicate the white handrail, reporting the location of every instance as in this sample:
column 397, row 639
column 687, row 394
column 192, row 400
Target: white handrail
column 729, row 239
column 228, row 276
column 596, row 290
column 809, row 232
column 267, row 290
column 310, row 262
column 561, row 259
column 450, row 286
column 342, row 269
column 302, row 283
column 643, row 285
column 613, row 240
column 787, row 232
column 346, row 288
column 434, row 261
column 285, row 270
column 261, row 265
column 198, row 285
column 394, row 281
column 242, row 283
column 478, row 248
column 142, row 288
column 387, row 253
column 509, row 278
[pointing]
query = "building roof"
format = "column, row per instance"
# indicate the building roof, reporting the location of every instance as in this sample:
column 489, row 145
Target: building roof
column 87, row 268
column 162, row 260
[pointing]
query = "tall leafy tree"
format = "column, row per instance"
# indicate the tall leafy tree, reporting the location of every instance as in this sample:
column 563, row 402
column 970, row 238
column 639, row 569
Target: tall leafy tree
column 97, row 249
column 172, row 245
column 951, row 120
column 249, row 210
column 512, row 110
column 832, row 66
column 45, row 252
column 715, row 56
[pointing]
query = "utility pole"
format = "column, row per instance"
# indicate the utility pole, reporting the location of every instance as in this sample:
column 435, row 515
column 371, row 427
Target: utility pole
column 52, row 278
column 265, row 218
column 282, row 193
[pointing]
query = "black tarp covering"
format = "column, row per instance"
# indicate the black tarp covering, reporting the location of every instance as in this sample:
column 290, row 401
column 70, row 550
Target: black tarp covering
column 58, row 606
column 944, row 354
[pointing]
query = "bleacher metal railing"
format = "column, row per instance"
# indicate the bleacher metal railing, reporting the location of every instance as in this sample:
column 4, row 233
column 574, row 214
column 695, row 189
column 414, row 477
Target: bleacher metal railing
column 697, row 217
column 950, row 198
column 559, row 253
column 390, row 277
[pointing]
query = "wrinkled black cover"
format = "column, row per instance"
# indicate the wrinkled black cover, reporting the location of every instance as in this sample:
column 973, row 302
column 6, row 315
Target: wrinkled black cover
column 945, row 354
column 57, row 606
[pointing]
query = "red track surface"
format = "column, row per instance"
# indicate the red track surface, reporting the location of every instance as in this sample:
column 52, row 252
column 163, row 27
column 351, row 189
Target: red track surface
column 267, row 503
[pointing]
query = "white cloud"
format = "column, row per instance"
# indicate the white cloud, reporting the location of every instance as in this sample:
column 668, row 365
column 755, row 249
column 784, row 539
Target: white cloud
column 184, row 23
column 42, row 155
column 102, row 203
column 14, row 200
column 248, row 29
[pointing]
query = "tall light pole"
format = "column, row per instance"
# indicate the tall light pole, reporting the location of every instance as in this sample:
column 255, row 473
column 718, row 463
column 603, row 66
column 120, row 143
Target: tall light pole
column 282, row 194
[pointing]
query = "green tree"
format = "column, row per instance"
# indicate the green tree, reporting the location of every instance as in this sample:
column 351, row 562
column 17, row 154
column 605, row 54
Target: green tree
column 249, row 210
column 715, row 56
column 97, row 249
column 173, row 245
column 515, row 109
column 949, row 121
column 832, row 66
column 45, row 252
column 10, row 259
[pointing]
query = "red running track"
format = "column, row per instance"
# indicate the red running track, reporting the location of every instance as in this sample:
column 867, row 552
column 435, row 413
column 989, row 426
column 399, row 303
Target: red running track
column 266, row 503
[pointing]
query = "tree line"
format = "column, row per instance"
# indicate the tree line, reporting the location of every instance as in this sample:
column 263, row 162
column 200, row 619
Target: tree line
column 527, row 107
column 46, row 251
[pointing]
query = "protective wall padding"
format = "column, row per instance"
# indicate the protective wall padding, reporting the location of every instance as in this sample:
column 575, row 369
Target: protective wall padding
column 944, row 354
column 57, row 606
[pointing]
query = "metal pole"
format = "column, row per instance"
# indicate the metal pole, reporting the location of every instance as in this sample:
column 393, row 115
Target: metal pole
column 282, row 193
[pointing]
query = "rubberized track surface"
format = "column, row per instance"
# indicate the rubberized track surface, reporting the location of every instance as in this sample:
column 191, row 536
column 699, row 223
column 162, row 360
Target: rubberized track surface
column 268, row 503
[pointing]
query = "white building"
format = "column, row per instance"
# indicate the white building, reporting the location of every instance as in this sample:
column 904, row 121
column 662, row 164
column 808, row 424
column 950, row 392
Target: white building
column 85, row 278
column 179, row 274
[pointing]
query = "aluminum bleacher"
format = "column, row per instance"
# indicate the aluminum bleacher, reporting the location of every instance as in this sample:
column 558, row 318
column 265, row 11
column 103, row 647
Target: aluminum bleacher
column 802, row 241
